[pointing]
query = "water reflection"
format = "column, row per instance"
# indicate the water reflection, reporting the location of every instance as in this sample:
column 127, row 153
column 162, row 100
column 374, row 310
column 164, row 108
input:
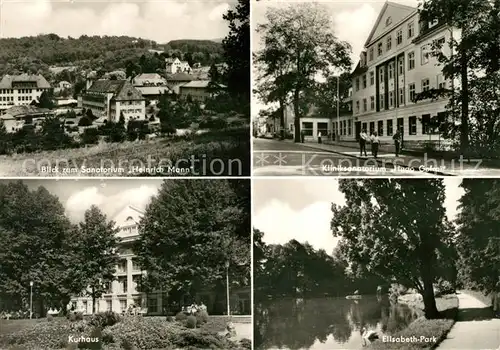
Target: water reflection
column 326, row 323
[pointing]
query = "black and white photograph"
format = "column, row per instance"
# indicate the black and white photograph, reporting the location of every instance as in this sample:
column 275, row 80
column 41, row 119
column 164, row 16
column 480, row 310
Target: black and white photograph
column 125, row 264
column 372, row 88
column 376, row 263
column 124, row 88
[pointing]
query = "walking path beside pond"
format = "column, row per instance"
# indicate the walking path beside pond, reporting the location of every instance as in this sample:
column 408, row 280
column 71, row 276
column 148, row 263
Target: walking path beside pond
column 475, row 327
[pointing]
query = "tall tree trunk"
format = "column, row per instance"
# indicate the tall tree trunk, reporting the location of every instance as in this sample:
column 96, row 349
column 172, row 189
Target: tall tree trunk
column 464, row 122
column 430, row 307
column 93, row 300
column 282, row 119
column 296, row 110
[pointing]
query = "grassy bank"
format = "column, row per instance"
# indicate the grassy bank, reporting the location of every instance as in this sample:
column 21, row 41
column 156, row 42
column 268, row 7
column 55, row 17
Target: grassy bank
column 215, row 153
column 423, row 329
column 127, row 333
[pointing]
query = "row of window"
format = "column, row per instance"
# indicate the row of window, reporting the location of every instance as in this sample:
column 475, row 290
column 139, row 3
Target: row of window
column 429, row 126
column 425, row 56
column 425, row 85
column 19, row 91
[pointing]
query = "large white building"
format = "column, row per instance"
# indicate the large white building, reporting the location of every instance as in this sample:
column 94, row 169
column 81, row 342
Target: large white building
column 110, row 98
column 123, row 291
column 396, row 65
column 19, row 90
column 174, row 65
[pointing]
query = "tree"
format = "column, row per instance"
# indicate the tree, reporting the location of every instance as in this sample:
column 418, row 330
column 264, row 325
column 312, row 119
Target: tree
column 394, row 229
column 478, row 241
column 46, row 100
column 97, row 246
column 474, row 50
column 185, row 243
column 40, row 249
column 294, row 55
column 237, row 54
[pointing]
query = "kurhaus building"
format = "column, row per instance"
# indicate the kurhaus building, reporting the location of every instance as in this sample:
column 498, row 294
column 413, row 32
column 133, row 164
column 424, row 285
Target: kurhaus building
column 396, row 65
column 19, row 90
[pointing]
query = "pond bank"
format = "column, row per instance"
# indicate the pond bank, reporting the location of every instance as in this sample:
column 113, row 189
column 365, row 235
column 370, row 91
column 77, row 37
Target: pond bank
column 422, row 333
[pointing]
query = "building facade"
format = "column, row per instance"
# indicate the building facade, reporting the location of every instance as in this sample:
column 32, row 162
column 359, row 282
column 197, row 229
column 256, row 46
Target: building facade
column 111, row 98
column 174, row 65
column 23, row 89
column 396, row 65
column 149, row 79
column 198, row 90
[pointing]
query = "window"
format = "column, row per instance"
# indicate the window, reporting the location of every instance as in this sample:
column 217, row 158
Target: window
column 381, row 101
column 152, row 305
column 372, row 103
column 364, row 81
column 440, row 43
column 411, row 60
column 413, row 125
column 364, row 105
column 389, row 43
column 370, row 56
column 357, row 84
column 323, row 128
column 308, row 128
column 108, row 305
column 391, row 99
column 380, row 128
column 388, row 21
column 344, row 127
column 402, row 96
column 426, row 127
column 401, row 127
column 349, row 127
column 433, row 23
column 401, row 66
column 425, row 84
column 391, row 70
column 380, row 49
column 425, row 54
column 372, row 78
column 389, row 127
column 357, row 106
column 411, row 89
column 411, row 29
column 372, row 127
column 399, row 37
column 123, row 305
column 381, row 74
column 364, row 127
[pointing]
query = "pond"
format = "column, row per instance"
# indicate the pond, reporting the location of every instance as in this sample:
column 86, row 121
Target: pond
column 326, row 323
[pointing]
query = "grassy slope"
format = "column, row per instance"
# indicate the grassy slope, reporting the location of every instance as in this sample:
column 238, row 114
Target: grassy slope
column 422, row 327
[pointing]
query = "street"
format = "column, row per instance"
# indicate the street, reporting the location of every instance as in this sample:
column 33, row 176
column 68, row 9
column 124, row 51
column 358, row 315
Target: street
column 281, row 158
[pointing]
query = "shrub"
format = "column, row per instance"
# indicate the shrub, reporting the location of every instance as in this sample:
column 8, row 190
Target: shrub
column 181, row 316
column 202, row 317
column 85, row 121
column 95, row 341
column 246, row 343
column 200, row 340
column 50, row 318
column 191, row 322
column 72, row 316
column 444, row 287
column 170, row 319
column 79, row 316
column 105, row 319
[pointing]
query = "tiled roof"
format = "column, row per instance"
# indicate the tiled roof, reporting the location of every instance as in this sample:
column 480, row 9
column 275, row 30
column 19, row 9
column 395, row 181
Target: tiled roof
column 41, row 82
column 148, row 76
column 19, row 111
column 202, row 84
column 180, row 77
column 121, row 89
column 153, row 90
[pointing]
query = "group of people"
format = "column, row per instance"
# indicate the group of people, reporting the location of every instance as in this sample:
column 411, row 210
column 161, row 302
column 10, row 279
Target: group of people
column 194, row 308
column 375, row 142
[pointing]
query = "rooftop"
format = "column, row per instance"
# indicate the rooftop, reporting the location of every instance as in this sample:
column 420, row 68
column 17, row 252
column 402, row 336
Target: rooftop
column 153, row 90
column 41, row 82
column 121, row 89
column 149, row 76
column 180, row 77
column 24, row 110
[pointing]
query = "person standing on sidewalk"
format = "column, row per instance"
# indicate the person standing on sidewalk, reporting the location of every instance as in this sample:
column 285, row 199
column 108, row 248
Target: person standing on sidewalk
column 362, row 142
column 397, row 142
column 375, row 143
column 302, row 135
column 319, row 137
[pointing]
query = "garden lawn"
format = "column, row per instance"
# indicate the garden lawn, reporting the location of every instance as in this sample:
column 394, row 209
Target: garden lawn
column 12, row 326
column 128, row 333
column 422, row 327
column 231, row 146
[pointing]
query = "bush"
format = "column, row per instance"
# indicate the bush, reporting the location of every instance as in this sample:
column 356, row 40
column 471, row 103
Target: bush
column 444, row 287
column 105, row 319
column 181, row 316
column 246, row 343
column 72, row 316
column 90, row 136
column 50, row 318
column 85, row 121
column 95, row 341
column 202, row 317
column 191, row 322
column 170, row 319
column 79, row 316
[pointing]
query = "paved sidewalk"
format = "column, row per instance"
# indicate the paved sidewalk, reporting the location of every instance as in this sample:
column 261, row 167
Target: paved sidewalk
column 475, row 328
column 423, row 163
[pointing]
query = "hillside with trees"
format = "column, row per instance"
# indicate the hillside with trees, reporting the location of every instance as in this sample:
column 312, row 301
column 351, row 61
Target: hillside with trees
column 36, row 54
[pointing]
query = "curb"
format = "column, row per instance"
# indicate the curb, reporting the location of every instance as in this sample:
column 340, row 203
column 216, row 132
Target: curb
column 439, row 173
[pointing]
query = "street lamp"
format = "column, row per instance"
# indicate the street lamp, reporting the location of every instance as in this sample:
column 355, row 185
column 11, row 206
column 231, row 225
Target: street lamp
column 31, row 299
column 227, row 289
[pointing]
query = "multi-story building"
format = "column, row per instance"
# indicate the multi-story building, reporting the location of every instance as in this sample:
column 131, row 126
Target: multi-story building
column 198, row 90
column 174, row 65
column 23, row 89
column 149, row 79
column 111, row 98
column 123, row 291
column 397, row 64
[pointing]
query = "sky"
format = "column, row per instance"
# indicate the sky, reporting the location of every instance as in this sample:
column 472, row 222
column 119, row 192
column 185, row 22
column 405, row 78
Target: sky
column 111, row 196
column 158, row 20
column 352, row 22
column 300, row 209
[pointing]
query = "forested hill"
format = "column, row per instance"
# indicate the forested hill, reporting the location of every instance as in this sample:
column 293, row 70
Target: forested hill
column 109, row 53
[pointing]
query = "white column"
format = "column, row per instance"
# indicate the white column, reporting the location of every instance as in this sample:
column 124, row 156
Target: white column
column 129, row 278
